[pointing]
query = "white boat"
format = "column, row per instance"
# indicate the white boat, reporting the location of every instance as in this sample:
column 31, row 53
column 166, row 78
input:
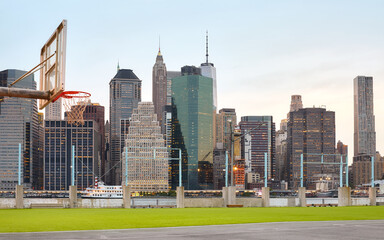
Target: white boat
column 103, row 191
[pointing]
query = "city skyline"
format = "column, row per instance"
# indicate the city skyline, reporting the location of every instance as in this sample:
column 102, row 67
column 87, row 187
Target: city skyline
column 271, row 49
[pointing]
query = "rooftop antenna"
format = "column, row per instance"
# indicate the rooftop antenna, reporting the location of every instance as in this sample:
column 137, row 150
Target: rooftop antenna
column 159, row 47
column 206, row 46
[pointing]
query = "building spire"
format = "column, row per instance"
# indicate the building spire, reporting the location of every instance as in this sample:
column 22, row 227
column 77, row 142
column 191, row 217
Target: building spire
column 159, row 54
column 206, row 46
column 118, row 66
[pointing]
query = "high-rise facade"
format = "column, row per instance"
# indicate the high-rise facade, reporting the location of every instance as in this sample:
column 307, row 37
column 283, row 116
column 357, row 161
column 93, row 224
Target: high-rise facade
column 341, row 148
column 124, row 94
column 144, row 152
column 364, row 137
column 53, row 110
column 18, row 125
column 38, row 165
column 59, row 137
column 95, row 112
column 362, row 169
column 193, row 128
column 159, row 86
column 208, row 70
column 259, row 138
column 296, row 103
column 311, row 132
column 166, row 125
column 364, row 120
column 225, row 123
column 281, row 155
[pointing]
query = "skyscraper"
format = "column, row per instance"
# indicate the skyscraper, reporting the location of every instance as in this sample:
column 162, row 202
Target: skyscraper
column 159, row 86
column 166, row 125
column 95, row 112
column 226, row 122
column 193, row 128
column 296, row 103
column 18, row 125
column 60, row 136
column 364, row 137
column 364, row 120
column 311, row 132
column 124, row 95
column 53, row 110
column 209, row 70
column 259, row 138
column 38, row 164
column 281, row 152
column 144, row 152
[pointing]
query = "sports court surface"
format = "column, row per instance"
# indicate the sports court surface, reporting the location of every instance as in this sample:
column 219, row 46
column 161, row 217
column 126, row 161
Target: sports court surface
column 358, row 229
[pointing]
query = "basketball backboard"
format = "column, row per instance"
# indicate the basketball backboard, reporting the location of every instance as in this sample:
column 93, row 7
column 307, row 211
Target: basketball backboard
column 52, row 73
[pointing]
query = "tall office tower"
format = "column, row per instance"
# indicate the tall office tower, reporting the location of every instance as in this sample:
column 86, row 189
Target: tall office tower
column 362, row 168
column 159, row 86
column 192, row 117
column 311, row 132
column 209, row 70
column 259, row 139
column 166, row 126
column 95, row 112
column 219, row 166
column 124, row 96
column 38, row 165
column 226, row 122
column 364, row 120
column 107, row 155
column 53, row 110
column 18, row 125
column 171, row 75
column 144, row 152
column 59, row 137
column 341, row 148
column 281, row 152
column 296, row 103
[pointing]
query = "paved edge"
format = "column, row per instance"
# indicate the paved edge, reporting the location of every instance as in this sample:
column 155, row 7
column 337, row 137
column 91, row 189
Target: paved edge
column 261, row 223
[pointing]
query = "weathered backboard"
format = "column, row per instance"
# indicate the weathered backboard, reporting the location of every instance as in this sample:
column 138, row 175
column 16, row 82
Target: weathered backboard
column 52, row 73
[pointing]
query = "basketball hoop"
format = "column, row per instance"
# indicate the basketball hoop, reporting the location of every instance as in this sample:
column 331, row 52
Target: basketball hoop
column 74, row 104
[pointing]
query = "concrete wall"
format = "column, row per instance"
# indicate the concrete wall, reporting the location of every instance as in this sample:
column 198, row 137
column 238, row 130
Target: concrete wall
column 203, row 202
column 360, row 201
column 6, row 203
column 284, row 202
column 322, row 200
column 99, row 203
column 250, row 202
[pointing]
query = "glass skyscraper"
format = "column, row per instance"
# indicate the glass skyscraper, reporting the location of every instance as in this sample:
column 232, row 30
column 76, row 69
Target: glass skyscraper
column 18, row 124
column 193, row 128
column 124, row 94
column 59, row 138
column 259, row 138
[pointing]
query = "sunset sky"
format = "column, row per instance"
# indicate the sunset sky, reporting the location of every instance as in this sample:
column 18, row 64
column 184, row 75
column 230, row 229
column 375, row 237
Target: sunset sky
column 264, row 51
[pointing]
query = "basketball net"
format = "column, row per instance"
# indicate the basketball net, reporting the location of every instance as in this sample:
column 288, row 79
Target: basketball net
column 74, row 103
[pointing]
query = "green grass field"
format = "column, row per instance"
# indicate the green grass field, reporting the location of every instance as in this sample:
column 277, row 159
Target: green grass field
column 35, row 220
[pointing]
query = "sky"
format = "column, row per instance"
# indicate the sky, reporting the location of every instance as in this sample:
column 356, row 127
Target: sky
column 264, row 51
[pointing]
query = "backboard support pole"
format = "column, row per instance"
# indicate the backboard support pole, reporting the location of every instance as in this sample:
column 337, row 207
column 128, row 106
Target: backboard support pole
column 24, row 93
column 31, row 71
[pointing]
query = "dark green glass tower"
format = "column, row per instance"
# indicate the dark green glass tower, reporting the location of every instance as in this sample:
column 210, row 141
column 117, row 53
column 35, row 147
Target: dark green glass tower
column 192, row 115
